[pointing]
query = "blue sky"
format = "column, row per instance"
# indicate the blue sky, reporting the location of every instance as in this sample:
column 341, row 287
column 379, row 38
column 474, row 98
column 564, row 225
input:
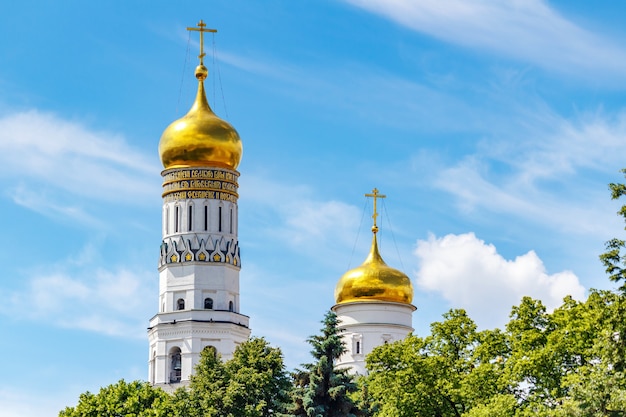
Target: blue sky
column 493, row 127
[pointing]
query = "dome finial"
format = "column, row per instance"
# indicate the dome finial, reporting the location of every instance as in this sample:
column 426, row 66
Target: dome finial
column 201, row 28
column 201, row 71
column 375, row 196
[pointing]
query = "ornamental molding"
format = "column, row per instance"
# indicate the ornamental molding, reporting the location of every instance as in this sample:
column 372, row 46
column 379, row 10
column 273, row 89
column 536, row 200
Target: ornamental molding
column 224, row 331
column 207, row 249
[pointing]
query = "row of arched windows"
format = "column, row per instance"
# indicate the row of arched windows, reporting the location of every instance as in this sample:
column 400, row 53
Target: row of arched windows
column 205, row 223
column 208, row 304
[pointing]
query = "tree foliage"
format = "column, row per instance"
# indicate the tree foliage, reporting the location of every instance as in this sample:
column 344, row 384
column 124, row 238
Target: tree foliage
column 321, row 389
column 566, row 363
column 133, row 399
column 613, row 259
column 254, row 383
column 444, row 374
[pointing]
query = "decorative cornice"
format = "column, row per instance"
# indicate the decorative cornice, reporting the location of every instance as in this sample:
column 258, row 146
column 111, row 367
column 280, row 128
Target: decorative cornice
column 204, row 249
column 161, row 332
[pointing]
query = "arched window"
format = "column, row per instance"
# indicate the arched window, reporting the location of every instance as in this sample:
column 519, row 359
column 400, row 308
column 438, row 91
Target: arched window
column 358, row 347
column 231, row 220
column 176, row 219
column 206, row 217
column 180, row 304
column 230, row 306
column 189, row 217
column 219, row 219
column 176, row 365
column 208, row 303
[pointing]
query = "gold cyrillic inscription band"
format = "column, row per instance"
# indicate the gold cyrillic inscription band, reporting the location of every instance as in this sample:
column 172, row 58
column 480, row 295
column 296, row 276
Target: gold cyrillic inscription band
column 184, row 183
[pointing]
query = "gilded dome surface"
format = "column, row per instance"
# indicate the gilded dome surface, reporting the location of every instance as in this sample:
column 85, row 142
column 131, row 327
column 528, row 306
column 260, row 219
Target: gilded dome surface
column 200, row 138
column 374, row 280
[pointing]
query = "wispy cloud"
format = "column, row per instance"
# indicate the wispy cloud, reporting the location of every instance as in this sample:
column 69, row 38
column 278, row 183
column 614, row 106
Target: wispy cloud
column 548, row 173
column 42, row 203
column 301, row 220
column 113, row 301
column 470, row 274
column 528, row 30
column 358, row 92
column 45, row 151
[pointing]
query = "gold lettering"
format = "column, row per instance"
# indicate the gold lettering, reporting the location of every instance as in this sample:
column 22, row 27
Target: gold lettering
column 199, row 183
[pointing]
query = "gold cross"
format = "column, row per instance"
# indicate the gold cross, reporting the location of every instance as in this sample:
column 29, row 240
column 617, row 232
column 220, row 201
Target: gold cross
column 375, row 196
column 201, row 29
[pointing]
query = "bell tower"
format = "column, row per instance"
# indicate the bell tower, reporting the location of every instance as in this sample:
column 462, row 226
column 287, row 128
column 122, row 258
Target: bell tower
column 199, row 261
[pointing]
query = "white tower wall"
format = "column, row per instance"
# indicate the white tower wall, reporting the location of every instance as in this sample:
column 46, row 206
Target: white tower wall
column 365, row 325
column 199, row 263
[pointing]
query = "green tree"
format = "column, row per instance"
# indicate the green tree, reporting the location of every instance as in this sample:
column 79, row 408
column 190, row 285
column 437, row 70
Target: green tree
column 597, row 387
column 253, row 383
column 564, row 363
column 400, row 379
column 613, row 259
column 138, row 399
column 321, row 389
column 258, row 385
column 207, row 388
column 445, row 374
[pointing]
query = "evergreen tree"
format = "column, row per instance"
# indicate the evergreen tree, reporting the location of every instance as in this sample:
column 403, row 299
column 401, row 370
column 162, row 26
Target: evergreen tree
column 321, row 389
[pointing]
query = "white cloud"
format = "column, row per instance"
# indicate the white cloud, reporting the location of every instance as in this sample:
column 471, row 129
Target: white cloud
column 528, row 30
column 111, row 302
column 42, row 203
column 548, row 174
column 556, row 146
column 312, row 221
column 470, row 274
column 40, row 151
column 360, row 92
column 296, row 216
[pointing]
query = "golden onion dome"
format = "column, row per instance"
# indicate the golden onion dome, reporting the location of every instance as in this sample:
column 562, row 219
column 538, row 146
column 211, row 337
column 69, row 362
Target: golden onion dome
column 200, row 138
column 374, row 280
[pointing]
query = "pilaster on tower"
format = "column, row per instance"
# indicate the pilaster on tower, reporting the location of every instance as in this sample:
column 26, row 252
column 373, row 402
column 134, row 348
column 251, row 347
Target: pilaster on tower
column 199, row 260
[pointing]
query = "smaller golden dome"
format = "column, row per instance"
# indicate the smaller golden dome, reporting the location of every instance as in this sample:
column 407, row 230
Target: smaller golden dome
column 374, row 280
column 200, row 138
